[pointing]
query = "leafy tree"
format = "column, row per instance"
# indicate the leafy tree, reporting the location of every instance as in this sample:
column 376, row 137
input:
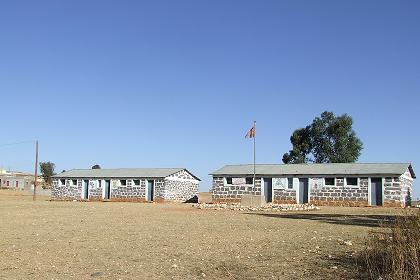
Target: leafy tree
column 301, row 146
column 328, row 139
column 96, row 166
column 47, row 171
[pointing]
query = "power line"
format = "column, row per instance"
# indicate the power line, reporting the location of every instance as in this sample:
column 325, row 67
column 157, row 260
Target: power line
column 17, row 143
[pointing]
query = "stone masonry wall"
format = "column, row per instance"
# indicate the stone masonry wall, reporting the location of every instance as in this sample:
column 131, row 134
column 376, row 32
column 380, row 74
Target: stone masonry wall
column 181, row 186
column 67, row 192
column 397, row 191
column 340, row 194
column 159, row 194
column 95, row 190
column 129, row 192
column 392, row 192
column 406, row 192
column 183, row 174
column 406, row 182
column 180, row 190
column 284, row 196
column 176, row 188
column 229, row 193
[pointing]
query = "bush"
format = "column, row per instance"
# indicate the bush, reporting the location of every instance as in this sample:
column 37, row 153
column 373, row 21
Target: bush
column 395, row 253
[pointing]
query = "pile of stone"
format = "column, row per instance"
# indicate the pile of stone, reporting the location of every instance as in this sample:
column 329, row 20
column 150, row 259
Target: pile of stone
column 265, row 208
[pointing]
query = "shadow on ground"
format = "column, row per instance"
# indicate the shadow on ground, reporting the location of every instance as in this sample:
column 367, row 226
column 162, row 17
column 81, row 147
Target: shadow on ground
column 345, row 266
column 355, row 220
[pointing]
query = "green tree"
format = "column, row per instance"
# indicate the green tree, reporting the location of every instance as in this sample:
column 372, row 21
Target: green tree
column 329, row 139
column 96, row 166
column 301, row 146
column 47, row 171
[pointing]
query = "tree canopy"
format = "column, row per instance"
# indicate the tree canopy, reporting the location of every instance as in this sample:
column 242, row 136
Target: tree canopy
column 329, row 139
column 96, row 166
column 47, row 171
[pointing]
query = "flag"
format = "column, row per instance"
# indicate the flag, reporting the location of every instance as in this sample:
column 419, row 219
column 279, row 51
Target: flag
column 251, row 133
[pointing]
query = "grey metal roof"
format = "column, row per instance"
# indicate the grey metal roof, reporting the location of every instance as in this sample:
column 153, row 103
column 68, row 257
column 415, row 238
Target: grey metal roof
column 317, row 169
column 121, row 173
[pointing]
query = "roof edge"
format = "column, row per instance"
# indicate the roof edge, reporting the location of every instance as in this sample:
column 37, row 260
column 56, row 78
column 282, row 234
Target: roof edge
column 410, row 168
column 198, row 179
column 177, row 169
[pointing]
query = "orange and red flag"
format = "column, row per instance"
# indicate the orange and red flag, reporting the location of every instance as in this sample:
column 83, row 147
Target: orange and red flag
column 251, row 133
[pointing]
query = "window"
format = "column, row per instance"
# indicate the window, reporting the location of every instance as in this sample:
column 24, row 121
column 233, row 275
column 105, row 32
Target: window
column 63, row 182
column 352, row 181
column 74, row 182
column 229, row 181
column 7, row 183
column 136, row 182
column 330, row 181
column 100, row 183
column 290, row 183
column 249, row 180
column 17, row 184
column 123, row 182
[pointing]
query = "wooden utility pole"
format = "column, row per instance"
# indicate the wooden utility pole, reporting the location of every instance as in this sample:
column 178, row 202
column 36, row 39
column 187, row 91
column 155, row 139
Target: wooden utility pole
column 36, row 170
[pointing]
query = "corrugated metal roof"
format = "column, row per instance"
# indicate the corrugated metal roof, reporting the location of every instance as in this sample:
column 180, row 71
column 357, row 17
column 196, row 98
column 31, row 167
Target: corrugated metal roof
column 121, row 173
column 317, row 169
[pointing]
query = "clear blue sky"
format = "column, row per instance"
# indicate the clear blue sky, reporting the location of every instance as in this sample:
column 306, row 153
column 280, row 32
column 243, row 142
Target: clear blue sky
column 178, row 83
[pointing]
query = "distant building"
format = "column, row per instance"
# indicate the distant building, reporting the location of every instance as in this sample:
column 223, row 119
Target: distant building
column 347, row 184
column 131, row 184
column 15, row 179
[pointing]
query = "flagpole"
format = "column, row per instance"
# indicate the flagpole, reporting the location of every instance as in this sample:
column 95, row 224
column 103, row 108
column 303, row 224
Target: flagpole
column 255, row 134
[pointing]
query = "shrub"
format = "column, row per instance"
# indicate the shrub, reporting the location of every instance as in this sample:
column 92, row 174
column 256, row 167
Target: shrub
column 394, row 253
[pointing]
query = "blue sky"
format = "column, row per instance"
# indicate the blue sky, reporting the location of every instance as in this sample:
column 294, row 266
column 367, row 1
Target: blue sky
column 178, row 83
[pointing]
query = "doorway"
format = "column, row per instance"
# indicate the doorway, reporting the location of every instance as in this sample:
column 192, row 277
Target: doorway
column 107, row 189
column 303, row 190
column 376, row 192
column 268, row 190
column 150, row 190
column 86, row 189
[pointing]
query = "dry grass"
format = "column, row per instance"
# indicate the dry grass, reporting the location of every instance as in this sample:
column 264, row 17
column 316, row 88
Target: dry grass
column 205, row 197
column 394, row 254
column 74, row 240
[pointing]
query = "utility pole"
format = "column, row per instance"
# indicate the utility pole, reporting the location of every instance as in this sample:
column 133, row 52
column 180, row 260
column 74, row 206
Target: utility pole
column 36, row 170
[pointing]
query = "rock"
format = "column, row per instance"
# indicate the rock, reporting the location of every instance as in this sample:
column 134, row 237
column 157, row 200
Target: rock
column 264, row 208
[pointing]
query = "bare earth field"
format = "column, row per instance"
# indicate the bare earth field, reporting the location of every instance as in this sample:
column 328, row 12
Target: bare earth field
column 97, row 240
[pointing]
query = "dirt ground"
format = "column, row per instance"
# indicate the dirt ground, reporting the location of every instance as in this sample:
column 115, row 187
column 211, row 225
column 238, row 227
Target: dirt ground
column 88, row 240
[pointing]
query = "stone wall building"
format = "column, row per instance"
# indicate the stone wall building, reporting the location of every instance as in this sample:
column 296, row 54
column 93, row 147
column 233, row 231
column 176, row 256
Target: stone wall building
column 346, row 184
column 129, row 184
